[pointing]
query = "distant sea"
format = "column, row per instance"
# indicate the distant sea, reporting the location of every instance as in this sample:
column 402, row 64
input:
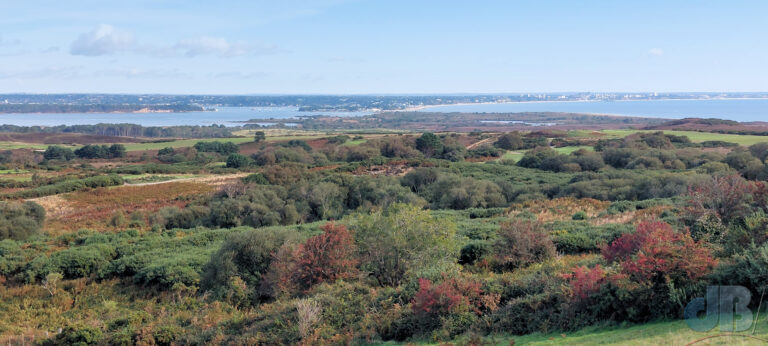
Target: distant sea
column 228, row 116
column 730, row 109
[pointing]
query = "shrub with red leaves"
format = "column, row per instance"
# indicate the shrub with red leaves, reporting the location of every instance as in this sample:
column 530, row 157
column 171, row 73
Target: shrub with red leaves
column 584, row 281
column 656, row 250
column 437, row 300
column 325, row 258
column 450, row 296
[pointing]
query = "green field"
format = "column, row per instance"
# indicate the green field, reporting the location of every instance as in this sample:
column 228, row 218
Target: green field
column 654, row 333
column 18, row 145
column 354, row 143
column 13, row 171
column 512, row 155
column 745, row 140
column 568, row 150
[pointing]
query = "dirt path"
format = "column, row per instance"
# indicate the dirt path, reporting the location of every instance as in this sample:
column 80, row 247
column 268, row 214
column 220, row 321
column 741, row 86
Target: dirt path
column 212, row 180
column 479, row 143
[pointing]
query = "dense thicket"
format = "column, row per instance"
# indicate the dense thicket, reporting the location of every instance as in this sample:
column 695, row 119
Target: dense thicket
column 19, row 221
column 66, row 186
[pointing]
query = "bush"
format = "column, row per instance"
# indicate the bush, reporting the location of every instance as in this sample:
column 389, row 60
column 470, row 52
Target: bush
column 748, row 269
column 520, row 243
column 429, row 144
column 325, row 258
column 76, row 335
column 473, row 252
column 55, row 152
column 395, row 243
column 93, row 151
column 247, row 256
column 510, row 141
column 660, row 267
column 536, row 157
column 68, row 186
column 238, row 161
column 579, row 215
column 223, row 148
column 259, row 136
column 83, row 261
column 418, row 179
column 20, row 221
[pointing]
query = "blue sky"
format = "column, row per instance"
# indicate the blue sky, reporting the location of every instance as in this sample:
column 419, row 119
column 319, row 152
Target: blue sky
column 389, row 46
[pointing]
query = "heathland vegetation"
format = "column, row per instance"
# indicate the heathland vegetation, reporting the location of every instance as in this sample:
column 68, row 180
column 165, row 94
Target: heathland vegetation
column 353, row 238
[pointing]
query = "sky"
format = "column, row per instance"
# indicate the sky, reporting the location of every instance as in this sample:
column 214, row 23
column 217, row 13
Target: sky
column 381, row 47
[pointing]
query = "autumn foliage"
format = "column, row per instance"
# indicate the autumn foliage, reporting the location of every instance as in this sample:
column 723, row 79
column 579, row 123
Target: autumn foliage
column 450, row 296
column 656, row 250
column 584, row 281
column 326, row 257
column 726, row 197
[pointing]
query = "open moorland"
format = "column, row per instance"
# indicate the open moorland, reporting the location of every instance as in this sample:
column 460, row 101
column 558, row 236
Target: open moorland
column 380, row 230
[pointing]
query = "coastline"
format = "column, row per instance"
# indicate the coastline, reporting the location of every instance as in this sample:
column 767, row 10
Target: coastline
column 416, row 108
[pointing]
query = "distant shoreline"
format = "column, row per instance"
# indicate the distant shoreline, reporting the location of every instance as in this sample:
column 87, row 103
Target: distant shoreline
column 41, row 109
column 416, row 108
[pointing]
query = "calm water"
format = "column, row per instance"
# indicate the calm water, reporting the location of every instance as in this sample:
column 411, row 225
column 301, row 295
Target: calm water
column 229, row 116
column 739, row 110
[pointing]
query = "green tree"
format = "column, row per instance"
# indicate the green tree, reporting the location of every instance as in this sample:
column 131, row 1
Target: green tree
column 237, row 161
column 429, row 144
column 396, row 243
column 259, row 136
column 20, row 220
column 510, row 141
column 55, row 152
column 117, row 150
column 247, row 256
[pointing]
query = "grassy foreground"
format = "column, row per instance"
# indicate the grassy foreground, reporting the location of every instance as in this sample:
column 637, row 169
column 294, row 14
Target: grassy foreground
column 655, row 333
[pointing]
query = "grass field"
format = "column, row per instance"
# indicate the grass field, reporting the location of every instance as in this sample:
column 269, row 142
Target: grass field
column 13, row 171
column 354, row 143
column 512, row 155
column 17, row 145
column 655, row 333
column 745, row 140
column 568, row 150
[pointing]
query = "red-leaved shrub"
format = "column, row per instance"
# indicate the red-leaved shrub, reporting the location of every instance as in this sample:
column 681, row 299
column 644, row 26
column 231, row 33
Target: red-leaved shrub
column 450, row 296
column 325, row 258
column 437, row 300
column 655, row 250
column 584, row 281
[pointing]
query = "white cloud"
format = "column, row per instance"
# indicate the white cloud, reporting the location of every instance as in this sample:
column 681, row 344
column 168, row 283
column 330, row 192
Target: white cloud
column 220, row 47
column 106, row 40
column 141, row 73
column 103, row 40
column 238, row 75
column 656, row 51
